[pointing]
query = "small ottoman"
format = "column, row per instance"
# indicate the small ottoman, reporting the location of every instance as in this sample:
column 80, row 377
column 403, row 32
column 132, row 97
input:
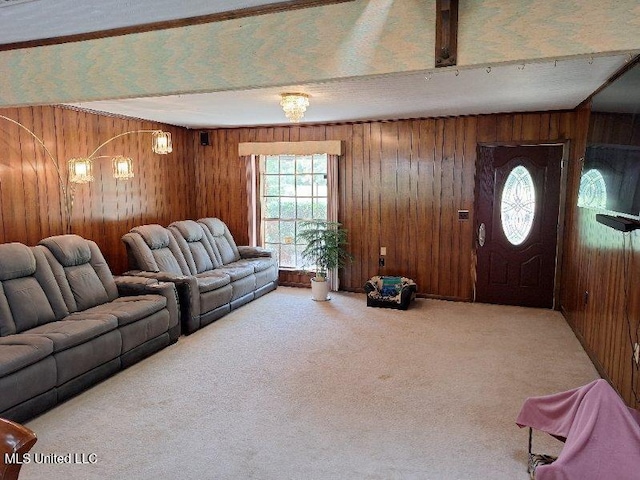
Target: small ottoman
column 390, row 292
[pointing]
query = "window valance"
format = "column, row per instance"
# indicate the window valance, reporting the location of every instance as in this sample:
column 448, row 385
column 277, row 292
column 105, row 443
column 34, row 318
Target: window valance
column 331, row 147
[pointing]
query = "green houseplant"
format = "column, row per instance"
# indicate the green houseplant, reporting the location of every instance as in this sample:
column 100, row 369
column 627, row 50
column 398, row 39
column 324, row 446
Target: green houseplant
column 325, row 250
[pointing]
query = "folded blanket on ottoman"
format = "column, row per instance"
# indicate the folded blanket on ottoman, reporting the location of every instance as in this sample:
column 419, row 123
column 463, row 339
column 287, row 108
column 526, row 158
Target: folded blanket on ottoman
column 602, row 434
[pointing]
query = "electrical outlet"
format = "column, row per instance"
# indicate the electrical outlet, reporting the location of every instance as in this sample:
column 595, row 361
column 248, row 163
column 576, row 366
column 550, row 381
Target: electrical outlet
column 381, row 261
column 636, row 353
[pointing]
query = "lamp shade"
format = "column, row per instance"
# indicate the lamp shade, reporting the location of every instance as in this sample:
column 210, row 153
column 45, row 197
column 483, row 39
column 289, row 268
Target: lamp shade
column 162, row 142
column 80, row 170
column 122, row 167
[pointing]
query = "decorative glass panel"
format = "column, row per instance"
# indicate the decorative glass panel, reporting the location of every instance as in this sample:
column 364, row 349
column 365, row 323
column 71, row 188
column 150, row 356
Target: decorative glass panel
column 518, row 205
column 593, row 190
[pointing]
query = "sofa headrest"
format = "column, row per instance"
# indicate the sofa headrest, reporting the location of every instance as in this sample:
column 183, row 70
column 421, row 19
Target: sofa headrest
column 69, row 250
column 215, row 225
column 16, row 261
column 190, row 230
column 156, row 236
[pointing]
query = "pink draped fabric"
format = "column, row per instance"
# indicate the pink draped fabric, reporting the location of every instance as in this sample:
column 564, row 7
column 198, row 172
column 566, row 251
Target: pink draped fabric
column 602, row 433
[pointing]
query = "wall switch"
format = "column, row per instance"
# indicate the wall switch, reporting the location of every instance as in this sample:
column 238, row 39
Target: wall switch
column 383, row 251
column 636, row 353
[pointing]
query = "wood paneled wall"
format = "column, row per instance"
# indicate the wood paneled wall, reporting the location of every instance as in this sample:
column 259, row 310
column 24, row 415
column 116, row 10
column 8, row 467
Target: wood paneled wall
column 602, row 272
column 30, row 199
column 401, row 185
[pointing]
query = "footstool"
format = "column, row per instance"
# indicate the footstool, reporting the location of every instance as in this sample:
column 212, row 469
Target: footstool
column 390, row 292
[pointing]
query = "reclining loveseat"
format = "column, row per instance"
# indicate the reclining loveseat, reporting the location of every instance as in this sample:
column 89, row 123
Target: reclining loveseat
column 212, row 274
column 67, row 323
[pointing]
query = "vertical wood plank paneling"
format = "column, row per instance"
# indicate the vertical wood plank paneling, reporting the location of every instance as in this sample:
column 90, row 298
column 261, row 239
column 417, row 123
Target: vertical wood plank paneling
column 426, row 212
column 467, row 235
column 436, row 208
column 30, row 202
column 404, row 202
column 375, row 196
column 389, row 196
column 602, row 262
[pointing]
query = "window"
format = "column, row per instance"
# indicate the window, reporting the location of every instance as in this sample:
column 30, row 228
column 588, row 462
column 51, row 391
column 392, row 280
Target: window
column 293, row 189
column 518, row 205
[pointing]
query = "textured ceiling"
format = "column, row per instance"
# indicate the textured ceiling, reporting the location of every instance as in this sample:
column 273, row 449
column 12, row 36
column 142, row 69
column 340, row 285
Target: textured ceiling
column 506, row 88
column 40, row 19
column 533, row 86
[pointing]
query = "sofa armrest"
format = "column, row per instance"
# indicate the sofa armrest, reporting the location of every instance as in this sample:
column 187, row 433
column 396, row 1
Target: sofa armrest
column 188, row 293
column 254, row 252
column 170, row 292
column 129, row 285
column 132, row 285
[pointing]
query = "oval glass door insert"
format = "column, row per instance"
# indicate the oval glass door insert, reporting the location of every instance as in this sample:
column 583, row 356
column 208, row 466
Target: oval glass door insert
column 518, row 205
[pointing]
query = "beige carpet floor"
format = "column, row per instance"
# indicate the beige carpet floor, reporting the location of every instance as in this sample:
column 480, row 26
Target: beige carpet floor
column 288, row 388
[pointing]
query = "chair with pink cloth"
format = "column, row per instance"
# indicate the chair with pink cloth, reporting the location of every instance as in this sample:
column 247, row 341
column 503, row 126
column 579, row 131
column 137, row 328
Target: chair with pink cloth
column 602, row 434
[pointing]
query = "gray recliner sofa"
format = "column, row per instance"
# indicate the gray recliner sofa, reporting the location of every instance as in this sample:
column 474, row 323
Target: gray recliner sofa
column 67, row 323
column 213, row 275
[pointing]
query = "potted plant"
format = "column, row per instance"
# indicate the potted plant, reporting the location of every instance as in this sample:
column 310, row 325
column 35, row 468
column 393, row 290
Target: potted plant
column 325, row 251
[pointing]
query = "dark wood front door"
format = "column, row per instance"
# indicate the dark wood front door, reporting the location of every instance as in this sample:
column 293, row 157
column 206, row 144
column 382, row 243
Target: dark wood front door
column 517, row 208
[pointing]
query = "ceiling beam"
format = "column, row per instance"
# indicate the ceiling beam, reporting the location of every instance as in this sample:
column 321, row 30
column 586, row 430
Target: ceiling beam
column 446, row 33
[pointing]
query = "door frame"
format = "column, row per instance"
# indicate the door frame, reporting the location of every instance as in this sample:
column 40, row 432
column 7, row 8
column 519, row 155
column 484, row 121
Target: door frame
column 566, row 148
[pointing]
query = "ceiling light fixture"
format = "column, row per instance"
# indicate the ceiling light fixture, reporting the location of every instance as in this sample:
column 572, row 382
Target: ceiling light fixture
column 294, row 105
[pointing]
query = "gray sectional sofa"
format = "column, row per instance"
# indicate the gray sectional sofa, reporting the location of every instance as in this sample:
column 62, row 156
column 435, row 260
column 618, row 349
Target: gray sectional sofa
column 212, row 274
column 67, row 323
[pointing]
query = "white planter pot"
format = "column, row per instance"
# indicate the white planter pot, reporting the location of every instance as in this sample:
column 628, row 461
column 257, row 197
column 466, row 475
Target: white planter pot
column 320, row 290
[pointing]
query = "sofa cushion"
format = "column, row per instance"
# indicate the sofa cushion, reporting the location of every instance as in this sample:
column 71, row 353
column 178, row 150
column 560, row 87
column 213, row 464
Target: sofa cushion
column 80, row 329
column 154, row 235
column 82, row 274
column 258, row 263
column 212, row 280
column 130, row 309
column 69, row 250
column 16, row 261
column 190, row 230
column 222, row 239
column 29, row 305
column 86, row 287
column 20, row 351
column 237, row 270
